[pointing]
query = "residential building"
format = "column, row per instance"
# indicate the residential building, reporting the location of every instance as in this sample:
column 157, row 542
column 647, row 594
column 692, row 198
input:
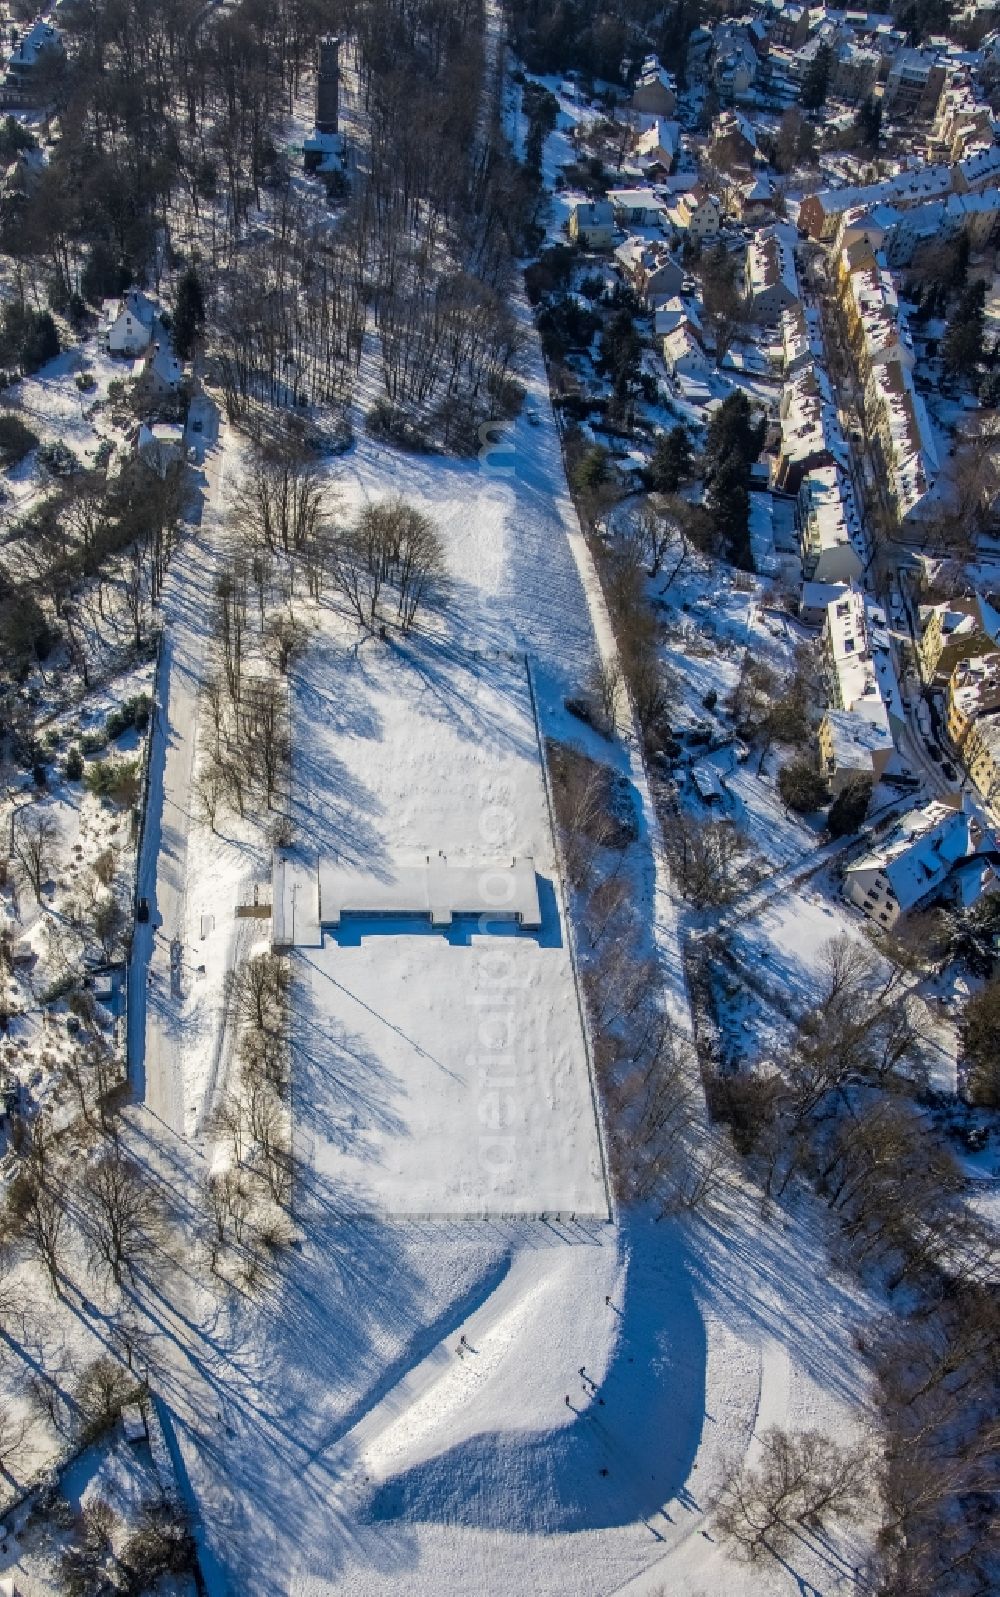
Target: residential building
column 810, row 430
column 671, row 312
column 980, row 169
column 656, row 149
column 857, row 654
column 696, row 213
column 820, row 212
column 735, row 62
column 683, row 354
column 852, row 746
column 801, row 338
column 830, row 532
column 900, row 426
column 34, row 61
column 981, row 754
column 754, row 201
column 160, row 445
column 592, row 224
column 925, row 856
column 786, row 22
column 815, row 598
column 913, row 84
column 973, row 690
column 637, row 207
column 651, row 269
column 734, row 141
column 961, row 629
column 655, row 92
column 962, row 118
column 853, row 72
column 130, row 323
column 158, row 374
column 770, row 280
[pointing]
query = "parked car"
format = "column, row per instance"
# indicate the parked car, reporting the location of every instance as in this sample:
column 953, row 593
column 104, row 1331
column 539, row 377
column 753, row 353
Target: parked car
column 142, row 911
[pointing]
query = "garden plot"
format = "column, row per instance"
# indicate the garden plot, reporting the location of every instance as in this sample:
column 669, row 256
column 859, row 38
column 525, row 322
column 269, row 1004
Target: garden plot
column 440, row 1070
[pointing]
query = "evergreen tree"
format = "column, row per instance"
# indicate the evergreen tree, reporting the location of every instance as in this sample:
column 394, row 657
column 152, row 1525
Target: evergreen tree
column 728, row 501
column 672, row 461
column 962, row 345
column 817, row 79
column 868, row 124
column 189, row 313
column 733, row 434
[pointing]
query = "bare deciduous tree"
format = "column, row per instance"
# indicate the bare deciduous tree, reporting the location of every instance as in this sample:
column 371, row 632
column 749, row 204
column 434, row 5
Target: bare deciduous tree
column 35, row 839
column 803, row 1479
column 122, row 1213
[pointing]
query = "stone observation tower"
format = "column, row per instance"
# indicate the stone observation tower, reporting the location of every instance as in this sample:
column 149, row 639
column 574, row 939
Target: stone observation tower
column 328, row 85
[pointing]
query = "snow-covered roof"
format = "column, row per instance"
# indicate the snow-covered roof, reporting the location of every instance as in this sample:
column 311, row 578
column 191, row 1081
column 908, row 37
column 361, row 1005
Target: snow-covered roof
column 923, row 848
column 40, row 40
column 982, row 168
column 659, row 142
column 975, row 685
column 771, row 260
column 810, row 423
column 801, row 335
column 637, row 199
column 132, row 303
column 161, row 362
column 855, row 738
column 830, row 516
column 860, row 654
column 682, row 343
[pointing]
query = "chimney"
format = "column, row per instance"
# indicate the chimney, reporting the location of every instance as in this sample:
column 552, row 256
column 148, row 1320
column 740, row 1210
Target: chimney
column 328, row 85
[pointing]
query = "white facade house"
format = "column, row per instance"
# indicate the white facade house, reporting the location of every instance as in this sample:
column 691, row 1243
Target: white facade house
column 130, row 323
column 912, row 865
column 683, row 354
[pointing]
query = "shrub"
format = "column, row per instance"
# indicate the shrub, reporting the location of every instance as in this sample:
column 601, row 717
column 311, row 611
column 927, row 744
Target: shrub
column 73, row 767
column 102, row 1392
column 58, row 459
column 801, row 786
column 16, row 440
column 114, row 779
column 94, row 741
column 130, row 713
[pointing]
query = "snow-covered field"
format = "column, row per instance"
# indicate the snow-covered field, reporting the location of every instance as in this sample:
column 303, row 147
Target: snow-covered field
column 440, row 1071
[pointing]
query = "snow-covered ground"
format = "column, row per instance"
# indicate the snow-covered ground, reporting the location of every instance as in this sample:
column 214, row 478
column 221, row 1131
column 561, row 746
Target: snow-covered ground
column 339, row 1435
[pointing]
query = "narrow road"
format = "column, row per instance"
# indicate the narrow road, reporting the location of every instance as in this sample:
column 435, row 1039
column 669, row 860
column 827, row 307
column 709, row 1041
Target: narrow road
column 154, row 973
